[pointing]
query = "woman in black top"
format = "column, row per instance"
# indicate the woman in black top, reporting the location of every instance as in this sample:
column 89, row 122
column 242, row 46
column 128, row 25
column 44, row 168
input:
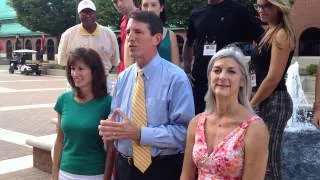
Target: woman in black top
column 271, row 59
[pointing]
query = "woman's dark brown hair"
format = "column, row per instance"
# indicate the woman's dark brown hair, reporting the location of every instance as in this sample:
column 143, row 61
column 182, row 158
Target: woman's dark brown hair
column 92, row 59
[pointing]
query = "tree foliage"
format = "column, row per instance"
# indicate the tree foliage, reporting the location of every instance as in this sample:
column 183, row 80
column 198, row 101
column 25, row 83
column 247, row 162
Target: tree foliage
column 179, row 11
column 55, row 16
column 50, row 16
column 107, row 14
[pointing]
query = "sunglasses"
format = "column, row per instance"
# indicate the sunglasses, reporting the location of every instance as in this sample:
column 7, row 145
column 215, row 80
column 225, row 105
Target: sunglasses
column 262, row 6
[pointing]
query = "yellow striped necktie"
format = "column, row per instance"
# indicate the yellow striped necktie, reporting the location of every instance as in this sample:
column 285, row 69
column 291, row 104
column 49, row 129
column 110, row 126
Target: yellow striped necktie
column 141, row 154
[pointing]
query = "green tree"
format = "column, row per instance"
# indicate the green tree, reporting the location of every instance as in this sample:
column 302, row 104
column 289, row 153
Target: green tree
column 107, row 14
column 55, row 16
column 248, row 3
column 179, row 11
column 49, row 16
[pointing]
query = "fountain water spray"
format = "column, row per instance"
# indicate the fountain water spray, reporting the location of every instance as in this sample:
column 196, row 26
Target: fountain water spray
column 302, row 110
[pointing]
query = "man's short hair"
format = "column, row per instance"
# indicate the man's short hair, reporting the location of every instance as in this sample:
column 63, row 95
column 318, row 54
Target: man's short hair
column 154, row 22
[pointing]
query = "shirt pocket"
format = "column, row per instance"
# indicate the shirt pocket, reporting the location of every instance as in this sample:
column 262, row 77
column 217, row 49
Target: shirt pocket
column 157, row 112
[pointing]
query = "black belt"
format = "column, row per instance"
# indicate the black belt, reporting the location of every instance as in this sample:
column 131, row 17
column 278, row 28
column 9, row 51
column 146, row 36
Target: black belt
column 129, row 159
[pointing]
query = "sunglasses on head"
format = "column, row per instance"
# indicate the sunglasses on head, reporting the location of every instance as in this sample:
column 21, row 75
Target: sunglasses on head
column 262, row 6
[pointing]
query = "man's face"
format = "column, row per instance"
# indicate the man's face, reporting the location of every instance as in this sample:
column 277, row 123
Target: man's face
column 123, row 6
column 87, row 17
column 141, row 44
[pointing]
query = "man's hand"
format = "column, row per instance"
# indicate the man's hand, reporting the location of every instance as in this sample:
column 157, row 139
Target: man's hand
column 112, row 130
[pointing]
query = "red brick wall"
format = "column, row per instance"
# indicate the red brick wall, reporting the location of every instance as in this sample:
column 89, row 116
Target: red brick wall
column 305, row 15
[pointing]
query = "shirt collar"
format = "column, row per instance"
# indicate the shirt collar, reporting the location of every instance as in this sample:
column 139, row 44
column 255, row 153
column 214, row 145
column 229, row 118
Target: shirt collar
column 84, row 32
column 151, row 67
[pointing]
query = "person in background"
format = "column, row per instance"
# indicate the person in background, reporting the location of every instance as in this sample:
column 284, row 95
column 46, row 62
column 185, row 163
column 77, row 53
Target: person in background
column 211, row 27
column 316, row 105
column 124, row 7
column 271, row 59
column 154, row 100
column 90, row 34
column 168, row 48
column 228, row 140
column 79, row 151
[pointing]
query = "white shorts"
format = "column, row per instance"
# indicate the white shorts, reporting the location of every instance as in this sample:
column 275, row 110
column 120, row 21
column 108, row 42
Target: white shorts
column 69, row 176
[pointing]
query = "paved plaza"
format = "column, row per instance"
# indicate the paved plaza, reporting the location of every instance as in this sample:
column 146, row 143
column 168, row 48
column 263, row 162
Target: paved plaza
column 26, row 110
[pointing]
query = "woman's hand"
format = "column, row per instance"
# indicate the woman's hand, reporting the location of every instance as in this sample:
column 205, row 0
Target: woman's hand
column 316, row 117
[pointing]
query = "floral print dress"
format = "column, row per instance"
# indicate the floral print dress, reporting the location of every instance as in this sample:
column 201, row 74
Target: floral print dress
column 227, row 160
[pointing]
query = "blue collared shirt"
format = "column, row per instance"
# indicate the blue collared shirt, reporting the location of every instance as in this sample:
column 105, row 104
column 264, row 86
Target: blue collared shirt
column 169, row 104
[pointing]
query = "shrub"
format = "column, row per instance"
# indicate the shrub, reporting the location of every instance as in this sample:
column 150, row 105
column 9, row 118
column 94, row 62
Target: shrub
column 312, row 69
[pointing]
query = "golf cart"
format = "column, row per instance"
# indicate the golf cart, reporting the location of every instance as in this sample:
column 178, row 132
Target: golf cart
column 18, row 62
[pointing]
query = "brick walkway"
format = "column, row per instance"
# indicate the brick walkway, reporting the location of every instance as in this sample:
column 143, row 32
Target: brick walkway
column 26, row 174
column 26, row 110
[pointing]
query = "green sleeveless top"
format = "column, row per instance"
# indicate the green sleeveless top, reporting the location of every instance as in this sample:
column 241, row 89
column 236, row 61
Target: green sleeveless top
column 165, row 47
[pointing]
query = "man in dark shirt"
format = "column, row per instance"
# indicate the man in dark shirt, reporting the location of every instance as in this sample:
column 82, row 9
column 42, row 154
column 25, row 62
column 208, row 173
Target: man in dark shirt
column 211, row 27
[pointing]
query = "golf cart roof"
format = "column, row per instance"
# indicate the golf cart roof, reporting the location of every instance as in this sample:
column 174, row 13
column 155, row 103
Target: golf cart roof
column 25, row 51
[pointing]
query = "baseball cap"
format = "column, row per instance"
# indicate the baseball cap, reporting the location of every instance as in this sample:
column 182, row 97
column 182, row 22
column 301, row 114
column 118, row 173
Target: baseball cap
column 86, row 4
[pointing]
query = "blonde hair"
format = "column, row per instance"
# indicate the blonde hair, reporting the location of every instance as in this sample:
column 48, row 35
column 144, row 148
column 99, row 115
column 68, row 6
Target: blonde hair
column 284, row 23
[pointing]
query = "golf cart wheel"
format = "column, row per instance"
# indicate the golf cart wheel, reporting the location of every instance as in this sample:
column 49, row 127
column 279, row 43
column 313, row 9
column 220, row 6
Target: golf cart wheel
column 25, row 72
column 11, row 70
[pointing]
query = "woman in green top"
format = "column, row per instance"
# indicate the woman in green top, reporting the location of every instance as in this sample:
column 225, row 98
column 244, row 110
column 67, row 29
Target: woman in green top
column 79, row 150
column 168, row 48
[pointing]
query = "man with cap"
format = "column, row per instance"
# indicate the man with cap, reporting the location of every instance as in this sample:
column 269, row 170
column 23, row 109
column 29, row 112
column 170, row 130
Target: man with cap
column 124, row 7
column 90, row 34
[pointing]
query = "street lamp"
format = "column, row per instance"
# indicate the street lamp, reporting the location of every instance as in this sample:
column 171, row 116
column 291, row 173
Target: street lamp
column 17, row 40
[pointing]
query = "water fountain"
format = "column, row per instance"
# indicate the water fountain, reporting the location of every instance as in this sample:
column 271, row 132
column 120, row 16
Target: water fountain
column 302, row 110
column 301, row 149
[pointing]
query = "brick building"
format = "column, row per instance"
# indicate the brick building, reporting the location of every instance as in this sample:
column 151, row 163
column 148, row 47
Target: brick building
column 14, row 36
column 306, row 20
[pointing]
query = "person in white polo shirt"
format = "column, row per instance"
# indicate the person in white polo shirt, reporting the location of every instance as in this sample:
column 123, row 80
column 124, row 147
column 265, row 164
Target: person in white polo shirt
column 90, row 34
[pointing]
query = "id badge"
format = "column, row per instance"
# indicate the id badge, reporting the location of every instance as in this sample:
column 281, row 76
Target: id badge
column 253, row 80
column 209, row 49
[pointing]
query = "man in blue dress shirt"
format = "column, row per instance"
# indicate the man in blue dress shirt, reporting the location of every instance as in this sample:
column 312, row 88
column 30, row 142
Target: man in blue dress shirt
column 169, row 106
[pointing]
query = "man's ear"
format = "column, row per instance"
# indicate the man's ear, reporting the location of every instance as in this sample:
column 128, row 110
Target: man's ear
column 156, row 39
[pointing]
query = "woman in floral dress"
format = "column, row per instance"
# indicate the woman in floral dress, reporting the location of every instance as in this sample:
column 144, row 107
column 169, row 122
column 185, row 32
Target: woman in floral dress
column 227, row 141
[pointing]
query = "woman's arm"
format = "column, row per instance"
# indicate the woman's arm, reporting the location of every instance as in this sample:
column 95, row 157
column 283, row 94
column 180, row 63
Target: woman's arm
column 175, row 58
column 110, row 157
column 189, row 168
column 58, row 145
column 256, row 151
column 316, row 105
column 281, row 47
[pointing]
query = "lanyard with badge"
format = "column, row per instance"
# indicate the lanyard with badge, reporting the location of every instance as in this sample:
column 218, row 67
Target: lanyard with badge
column 209, row 47
column 253, row 76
